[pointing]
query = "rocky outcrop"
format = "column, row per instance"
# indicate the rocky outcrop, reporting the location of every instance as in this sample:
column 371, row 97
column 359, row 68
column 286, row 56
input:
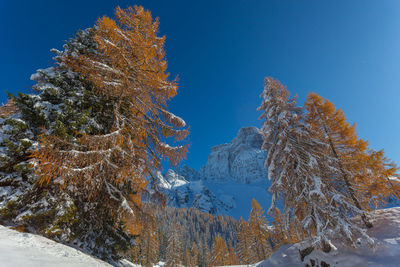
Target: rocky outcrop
column 187, row 172
column 241, row 161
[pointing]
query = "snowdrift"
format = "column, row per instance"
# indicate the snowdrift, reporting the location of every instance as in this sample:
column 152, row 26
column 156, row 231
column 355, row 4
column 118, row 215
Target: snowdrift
column 29, row 250
column 385, row 253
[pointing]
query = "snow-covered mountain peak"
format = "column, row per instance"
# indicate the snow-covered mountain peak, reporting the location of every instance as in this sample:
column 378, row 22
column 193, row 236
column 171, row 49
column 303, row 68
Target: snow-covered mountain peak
column 175, row 179
column 241, row 160
column 162, row 182
column 233, row 175
column 189, row 173
column 185, row 194
column 250, row 136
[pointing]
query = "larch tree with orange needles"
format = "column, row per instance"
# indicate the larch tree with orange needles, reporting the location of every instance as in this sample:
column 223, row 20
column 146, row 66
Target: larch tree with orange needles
column 128, row 71
column 362, row 173
column 175, row 247
column 8, row 109
column 220, row 252
column 245, row 253
column 194, row 251
column 149, row 244
column 111, row 165
column 259, row 232
column 377, row 179
column 314, row 208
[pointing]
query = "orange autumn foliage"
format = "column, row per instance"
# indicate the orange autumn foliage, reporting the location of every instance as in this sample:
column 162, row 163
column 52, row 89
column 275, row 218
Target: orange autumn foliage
column 220, row 252
column 128, row 72
column 367, row 173
column 8, row 109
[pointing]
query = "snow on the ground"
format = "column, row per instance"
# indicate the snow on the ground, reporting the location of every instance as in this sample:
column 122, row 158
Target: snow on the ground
column 385, row 253
column 29, row 250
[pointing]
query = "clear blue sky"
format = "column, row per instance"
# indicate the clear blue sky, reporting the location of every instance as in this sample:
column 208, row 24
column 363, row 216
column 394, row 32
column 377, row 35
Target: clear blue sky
column 346, row 51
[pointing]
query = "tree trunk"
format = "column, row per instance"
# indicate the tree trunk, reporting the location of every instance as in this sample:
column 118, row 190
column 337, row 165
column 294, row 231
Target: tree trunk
column 364, row 218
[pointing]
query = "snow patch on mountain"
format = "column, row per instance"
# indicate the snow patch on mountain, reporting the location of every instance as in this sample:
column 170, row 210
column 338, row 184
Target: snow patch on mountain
column 187, row 172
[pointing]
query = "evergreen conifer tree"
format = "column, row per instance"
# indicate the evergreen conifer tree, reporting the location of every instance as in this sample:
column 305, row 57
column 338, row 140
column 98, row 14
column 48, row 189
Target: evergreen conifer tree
column 220, row 252
column 362, row 173
column 149, row 243
column 314, row 209
column 233, row 258
column 194, row 254
column 75, row 156
column 260, row 236
column 244, row 240
column 175, row 249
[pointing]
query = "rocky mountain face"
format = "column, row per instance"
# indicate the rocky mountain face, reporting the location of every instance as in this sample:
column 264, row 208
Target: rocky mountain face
column 241, row 160
column 233, row 175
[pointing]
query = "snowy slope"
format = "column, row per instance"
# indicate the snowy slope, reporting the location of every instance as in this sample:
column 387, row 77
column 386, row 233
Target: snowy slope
column 386, row 253
column 28, row 250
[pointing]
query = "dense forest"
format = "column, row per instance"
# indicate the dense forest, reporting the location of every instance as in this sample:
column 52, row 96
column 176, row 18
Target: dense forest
column 194, row 238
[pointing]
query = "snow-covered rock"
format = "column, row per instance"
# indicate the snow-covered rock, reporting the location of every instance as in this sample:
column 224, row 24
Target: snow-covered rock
column 385, row 252
column 175, row 180
column 187, row 172
column 184, row 194
column 241, row 160
column 29, row 250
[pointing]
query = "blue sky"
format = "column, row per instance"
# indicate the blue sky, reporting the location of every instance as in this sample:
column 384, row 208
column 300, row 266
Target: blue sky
column 346, row 51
